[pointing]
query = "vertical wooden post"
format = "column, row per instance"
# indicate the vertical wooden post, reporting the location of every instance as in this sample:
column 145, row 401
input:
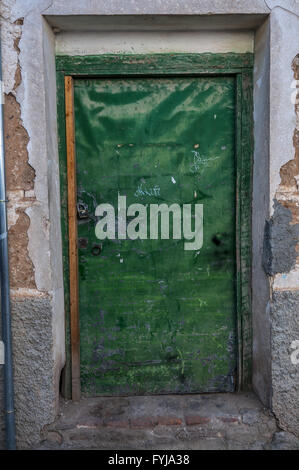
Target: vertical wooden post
column 72, row 225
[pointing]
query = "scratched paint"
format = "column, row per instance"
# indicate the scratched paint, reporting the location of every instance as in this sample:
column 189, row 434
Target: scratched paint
column 155, row 318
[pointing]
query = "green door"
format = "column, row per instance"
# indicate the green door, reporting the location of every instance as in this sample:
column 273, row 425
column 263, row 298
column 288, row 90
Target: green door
column 156, row 316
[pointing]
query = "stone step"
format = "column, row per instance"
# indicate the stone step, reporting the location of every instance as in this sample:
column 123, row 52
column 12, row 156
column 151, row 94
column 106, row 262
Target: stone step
column 207, row 421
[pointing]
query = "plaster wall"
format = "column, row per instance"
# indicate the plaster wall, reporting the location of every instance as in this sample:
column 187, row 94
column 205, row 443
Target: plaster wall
column 140, row 42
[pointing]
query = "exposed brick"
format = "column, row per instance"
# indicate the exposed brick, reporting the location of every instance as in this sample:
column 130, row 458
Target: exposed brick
column 197, row 420
column 169, row 421
column 114, row 423
column 21, row 266
column 142, row 423
column 19, row 173
column 230, row 419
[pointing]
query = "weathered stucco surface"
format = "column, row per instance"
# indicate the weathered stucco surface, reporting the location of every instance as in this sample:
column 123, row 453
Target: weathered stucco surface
column 34, row 397
column 34, row 293
column 280, row 241
column 28, row 45
column 261, row 345
column 19, row 184
column 285, row 374
column 285, row 261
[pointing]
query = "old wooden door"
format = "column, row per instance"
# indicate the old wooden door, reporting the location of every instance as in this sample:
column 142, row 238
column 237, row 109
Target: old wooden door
column 156, row 317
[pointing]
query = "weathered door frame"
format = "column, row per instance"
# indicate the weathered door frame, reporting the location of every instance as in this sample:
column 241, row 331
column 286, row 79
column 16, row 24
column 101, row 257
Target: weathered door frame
column 156, row 65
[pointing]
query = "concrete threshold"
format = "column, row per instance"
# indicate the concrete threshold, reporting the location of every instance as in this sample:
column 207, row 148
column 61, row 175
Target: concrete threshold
column 167, row 422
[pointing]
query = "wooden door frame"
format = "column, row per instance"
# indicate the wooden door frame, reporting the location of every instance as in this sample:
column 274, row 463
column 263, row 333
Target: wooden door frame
column 156, row 65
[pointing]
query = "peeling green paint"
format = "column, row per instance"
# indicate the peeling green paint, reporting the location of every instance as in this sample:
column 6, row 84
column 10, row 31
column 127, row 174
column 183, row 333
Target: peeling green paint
column 120, row 352
column 157, row 323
